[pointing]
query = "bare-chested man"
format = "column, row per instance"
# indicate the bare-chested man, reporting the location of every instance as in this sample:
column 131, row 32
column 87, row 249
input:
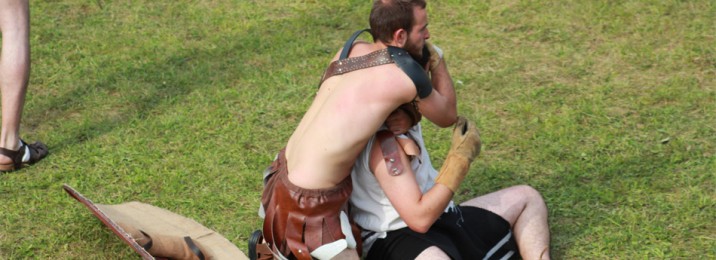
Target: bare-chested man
column 307, row 189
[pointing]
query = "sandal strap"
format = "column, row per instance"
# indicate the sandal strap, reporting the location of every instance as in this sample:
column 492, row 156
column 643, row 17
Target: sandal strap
column 15, row 156
column 36, row 150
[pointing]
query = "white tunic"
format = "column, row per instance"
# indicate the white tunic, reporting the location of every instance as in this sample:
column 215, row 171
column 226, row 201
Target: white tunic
column 370, row 207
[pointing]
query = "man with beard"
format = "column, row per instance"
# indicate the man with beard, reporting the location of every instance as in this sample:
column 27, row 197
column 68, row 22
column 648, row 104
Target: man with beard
column 308, row 185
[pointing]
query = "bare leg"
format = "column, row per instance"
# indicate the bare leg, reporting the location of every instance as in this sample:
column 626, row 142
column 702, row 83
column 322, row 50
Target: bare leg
column 526, row 211
column 432, row 253
column 14, row 69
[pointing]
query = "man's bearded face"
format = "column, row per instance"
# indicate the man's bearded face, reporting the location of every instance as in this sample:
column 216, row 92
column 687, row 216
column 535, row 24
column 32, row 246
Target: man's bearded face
column 419, row 33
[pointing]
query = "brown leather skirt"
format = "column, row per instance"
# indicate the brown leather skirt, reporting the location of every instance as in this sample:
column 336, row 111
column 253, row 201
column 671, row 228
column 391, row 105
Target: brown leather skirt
column 300, row 220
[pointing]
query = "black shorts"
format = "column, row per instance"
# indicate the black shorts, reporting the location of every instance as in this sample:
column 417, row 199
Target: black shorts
column 462, row 233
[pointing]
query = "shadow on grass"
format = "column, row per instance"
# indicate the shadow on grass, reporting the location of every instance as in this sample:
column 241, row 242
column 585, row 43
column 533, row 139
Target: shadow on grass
column 138, row 92
column 119, row 96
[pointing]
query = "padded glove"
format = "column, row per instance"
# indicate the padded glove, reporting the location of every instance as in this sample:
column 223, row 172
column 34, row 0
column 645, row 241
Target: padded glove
column 465, row 147
column 435, row 55
column 431, row 56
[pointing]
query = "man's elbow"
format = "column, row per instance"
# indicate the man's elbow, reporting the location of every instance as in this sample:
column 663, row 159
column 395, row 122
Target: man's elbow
column 416, row 226
column 446, row 121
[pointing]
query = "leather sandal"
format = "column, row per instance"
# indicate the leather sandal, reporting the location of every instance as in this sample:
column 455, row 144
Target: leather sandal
column 37, row 151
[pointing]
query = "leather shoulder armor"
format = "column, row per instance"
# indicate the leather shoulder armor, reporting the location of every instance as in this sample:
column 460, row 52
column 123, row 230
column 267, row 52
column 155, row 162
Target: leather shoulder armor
column 396, row 55
column 416, row 73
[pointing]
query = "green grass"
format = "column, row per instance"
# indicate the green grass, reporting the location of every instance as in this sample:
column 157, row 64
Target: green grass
column 607, row 107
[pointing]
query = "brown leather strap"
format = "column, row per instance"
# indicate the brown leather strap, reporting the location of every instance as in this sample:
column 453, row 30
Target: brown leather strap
column 15, row 156
column 372, row 59
column 391, row 153
column 294, row 231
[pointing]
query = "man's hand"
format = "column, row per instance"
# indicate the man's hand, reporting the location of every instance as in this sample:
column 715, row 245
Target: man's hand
column 465, row 140
column 398, row 122
column 432, row 55
column 465, row 147
column 435, row 54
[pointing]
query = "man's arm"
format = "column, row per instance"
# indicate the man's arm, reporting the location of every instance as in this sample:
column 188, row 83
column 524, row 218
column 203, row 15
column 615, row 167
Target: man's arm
column 440, row 107
column 418, row 210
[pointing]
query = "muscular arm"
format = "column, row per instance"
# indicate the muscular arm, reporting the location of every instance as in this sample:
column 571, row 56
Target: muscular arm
column 440, row 107
column 418, row 210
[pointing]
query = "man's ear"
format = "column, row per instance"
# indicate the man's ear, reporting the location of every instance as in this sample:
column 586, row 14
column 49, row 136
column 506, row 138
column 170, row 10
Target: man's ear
column 400, row 37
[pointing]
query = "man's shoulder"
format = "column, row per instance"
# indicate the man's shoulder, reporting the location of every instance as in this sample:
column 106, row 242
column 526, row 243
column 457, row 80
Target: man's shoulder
column 361, row 48
column 358, row 48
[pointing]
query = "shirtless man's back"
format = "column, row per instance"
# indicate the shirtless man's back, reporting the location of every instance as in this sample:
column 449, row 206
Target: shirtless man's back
column 306, row 192
column 346, row 112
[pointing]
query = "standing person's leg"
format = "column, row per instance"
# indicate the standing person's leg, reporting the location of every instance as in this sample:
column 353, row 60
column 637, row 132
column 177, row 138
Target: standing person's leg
column 523, row 207
column 14, row 77
column 14, row 67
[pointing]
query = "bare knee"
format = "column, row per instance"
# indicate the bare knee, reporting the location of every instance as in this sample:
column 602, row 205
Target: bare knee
column 432, row 252
column 529, row 193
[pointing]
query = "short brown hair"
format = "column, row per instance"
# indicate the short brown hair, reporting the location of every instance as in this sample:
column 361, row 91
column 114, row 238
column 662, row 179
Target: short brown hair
column 387, row 16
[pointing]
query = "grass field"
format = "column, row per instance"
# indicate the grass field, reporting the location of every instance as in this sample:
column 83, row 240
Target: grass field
column 607, row 107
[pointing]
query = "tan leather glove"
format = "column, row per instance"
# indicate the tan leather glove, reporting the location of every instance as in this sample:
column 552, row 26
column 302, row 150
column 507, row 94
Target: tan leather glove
column 465, row 147
column 436, row 55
